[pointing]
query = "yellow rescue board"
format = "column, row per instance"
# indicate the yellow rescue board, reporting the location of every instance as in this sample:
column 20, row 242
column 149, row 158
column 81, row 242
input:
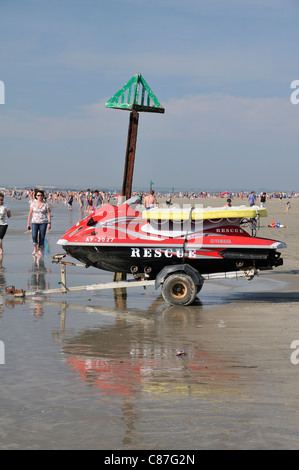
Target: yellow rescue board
column 209, row 213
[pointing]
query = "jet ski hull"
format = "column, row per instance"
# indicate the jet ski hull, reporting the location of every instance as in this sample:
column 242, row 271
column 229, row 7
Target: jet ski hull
column 151, row 261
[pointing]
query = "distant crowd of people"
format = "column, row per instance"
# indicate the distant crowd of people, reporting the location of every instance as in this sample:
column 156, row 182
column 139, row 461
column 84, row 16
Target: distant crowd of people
column 236, row 194
column 87, row 200
column 88, row 197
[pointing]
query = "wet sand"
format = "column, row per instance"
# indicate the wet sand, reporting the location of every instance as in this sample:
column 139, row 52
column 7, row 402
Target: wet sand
column 92, row 370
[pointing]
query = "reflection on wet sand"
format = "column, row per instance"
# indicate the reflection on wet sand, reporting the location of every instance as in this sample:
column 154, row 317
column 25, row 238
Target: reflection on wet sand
column 135, row 358
column 130, row 358
column 2, row 285
column 38, row 282
column 38, row 273
column 118, row 363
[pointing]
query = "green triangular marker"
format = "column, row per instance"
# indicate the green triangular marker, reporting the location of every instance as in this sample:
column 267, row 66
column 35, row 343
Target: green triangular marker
column 136, row 95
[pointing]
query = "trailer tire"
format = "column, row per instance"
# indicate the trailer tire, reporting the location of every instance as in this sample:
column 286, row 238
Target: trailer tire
column 179, row 289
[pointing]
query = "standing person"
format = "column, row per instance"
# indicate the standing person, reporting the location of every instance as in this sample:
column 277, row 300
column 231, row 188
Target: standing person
column 5, row 214
column 251, row 199
column 150, row 200
column 70, row 202
column 263, row 198
column 81, row 200
column 39, row 220
column 98, row 199
column 88, row 201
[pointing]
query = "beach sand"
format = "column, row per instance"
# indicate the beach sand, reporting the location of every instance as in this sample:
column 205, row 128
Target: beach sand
column 92, row 370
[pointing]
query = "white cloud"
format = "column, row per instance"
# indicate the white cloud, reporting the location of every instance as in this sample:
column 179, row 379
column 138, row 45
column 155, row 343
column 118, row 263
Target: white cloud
column 228, row 119
column 202, row 117
column 88, row 122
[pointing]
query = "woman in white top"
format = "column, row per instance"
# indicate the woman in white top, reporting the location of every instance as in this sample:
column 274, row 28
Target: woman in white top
column 39, row 220
column 4, row 216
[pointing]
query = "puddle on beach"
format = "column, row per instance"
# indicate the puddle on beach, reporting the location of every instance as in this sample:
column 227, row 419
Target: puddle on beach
column 101, row 370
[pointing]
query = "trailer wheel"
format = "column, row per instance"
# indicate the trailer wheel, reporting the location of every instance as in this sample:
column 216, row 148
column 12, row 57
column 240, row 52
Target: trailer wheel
column 179, row 289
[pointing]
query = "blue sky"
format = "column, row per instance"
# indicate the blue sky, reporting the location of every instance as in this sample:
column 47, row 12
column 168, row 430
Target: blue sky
column 221, row 68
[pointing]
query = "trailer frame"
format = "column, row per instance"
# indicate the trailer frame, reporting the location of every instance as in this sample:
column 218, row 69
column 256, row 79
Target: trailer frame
column 143, row 282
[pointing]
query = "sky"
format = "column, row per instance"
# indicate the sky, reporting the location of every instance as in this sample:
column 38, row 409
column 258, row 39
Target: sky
column 222, row 69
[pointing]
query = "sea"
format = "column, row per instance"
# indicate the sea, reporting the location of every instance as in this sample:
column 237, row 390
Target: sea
column 122, row 370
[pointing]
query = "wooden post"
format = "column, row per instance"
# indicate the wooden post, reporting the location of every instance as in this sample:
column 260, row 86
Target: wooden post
column 130, row 155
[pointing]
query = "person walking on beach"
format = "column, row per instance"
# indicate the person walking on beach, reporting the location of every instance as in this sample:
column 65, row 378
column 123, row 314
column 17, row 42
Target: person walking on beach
column 39, row 220
column 81, row 200
column 5, row 214
column 251, row 199
column 288, row 207
column 70, row 202
column 89, row 201
column 263, row 198
column 98, row 199
column 150, row 200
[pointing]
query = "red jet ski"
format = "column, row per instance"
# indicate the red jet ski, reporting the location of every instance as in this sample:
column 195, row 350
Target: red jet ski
column 129, row 239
